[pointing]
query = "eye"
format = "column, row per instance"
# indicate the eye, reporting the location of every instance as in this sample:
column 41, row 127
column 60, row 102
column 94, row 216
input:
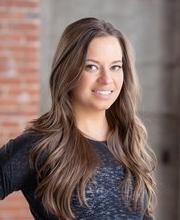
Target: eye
column 91, row 67
column 116, row 68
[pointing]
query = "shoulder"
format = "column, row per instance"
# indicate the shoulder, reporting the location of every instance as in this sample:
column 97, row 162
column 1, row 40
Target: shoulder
column 18, row 146
column 15, row 171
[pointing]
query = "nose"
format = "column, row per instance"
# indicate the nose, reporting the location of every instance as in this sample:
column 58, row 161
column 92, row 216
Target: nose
column 105, row 77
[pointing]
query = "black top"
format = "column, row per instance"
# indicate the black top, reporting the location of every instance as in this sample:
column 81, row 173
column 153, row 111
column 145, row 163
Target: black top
column 103, row 194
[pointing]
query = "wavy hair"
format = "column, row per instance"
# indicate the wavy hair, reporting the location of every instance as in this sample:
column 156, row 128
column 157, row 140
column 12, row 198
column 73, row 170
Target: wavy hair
column 62, row 158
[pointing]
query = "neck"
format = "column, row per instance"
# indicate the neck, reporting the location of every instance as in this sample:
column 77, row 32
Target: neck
column 93, row 126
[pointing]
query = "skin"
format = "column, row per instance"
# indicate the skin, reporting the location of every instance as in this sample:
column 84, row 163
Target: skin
column 102, row 71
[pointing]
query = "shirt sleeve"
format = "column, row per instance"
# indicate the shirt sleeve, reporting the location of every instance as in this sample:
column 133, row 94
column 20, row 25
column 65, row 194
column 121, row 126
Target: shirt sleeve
column 148, row 217
column 14, row 164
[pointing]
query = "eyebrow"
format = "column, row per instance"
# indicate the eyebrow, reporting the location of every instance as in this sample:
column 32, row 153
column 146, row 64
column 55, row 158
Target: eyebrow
column 95, row 61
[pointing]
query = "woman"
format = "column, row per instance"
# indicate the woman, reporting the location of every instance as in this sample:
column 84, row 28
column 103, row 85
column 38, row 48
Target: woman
column 87, row 157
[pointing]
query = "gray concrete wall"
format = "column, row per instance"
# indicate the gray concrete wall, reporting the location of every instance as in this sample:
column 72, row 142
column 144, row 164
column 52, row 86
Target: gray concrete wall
column 175, row 23
column 152, row 28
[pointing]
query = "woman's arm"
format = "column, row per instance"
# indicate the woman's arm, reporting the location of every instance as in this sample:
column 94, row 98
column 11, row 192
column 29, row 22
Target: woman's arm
column 14, row 164
column 6, row 169
column 146, row 217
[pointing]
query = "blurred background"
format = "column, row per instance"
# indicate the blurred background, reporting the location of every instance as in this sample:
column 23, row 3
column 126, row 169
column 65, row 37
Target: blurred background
column 29, row 33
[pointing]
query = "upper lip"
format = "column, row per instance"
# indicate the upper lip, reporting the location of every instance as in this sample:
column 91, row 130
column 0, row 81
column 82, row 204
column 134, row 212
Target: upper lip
column 102, row 90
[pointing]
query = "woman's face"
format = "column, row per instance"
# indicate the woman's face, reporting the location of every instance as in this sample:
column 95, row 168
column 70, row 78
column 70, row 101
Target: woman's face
column 102, row 76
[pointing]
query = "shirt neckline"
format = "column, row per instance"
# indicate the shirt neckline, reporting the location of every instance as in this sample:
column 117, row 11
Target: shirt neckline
column 97, row 141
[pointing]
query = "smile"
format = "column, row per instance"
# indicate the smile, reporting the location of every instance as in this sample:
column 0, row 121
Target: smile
column 102, row 93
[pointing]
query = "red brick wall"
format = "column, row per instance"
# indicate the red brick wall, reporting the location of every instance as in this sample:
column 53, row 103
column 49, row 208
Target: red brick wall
column 19, row 82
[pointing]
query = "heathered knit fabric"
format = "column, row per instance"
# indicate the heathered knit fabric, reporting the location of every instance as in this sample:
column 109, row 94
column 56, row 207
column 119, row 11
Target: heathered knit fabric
column 103, row 193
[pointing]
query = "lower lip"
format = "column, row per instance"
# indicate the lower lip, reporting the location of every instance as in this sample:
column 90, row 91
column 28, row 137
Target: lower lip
column 103, row 96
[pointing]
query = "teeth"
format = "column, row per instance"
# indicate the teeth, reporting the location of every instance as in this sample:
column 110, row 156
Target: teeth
column 103, row 92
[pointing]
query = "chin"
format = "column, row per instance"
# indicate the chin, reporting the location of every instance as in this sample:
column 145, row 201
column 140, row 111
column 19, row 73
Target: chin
column 103, row 108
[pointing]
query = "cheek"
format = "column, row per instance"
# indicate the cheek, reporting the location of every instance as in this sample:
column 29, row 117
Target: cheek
column 86, row 82
column 84, row 85
column 120, row 80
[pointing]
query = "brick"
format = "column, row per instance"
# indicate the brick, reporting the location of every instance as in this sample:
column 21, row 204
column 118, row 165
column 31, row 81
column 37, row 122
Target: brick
column 20, row 53
column 24, row 27
column 19, row 37
column 23, row 3
column 9, row 80
column 7, row 15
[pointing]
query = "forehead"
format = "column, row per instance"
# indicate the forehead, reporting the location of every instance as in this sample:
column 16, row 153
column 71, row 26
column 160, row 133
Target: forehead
column 104, row 47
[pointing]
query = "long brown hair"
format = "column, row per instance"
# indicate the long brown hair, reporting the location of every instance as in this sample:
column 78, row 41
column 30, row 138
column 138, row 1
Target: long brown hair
column 63, row 158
